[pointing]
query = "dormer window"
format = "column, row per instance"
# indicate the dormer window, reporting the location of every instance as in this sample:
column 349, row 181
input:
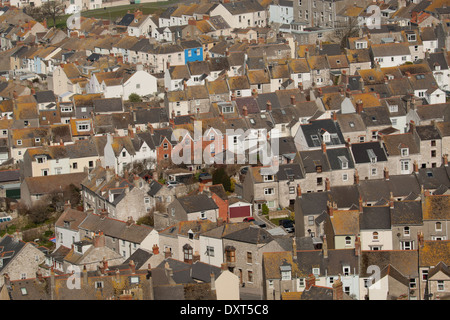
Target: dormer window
column 286, row 271
column 227, row 109
column 404, row 152
column 393, row 108
column 41, row 159
column 372, row 156
column 268, row 177
column 344, row 162
column 411, row 37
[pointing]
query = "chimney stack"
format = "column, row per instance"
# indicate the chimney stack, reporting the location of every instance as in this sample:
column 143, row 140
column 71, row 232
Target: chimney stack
column 360, row 205
column 412, row 126
column 213, row 281
column 39, row 276
column 155, row 249
column 99, row 240
column 201, row 187
column 445, row 160
column 85, row 277
column 324, row 147
column 338, row 292
column 167, row 253
column 327, row 184
column 269, row 105
column 299, row 191
column 420, row 239
column 415, row 166
column 244, row 111
column 356, row 177
column 132, row 266
column 391, row 200
column 224, row 267
column 386, row 173
column 310, row 281
column 325, row 247
column 105, row 264
column 294, row 249
column 150, row 282
column 130, row 221
column 195, row 257
column 357, row 246
column 293, row 100
column 359, row 106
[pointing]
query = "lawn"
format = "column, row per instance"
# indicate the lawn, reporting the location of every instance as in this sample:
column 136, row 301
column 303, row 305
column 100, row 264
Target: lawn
column 112, row 13
column 115, row 12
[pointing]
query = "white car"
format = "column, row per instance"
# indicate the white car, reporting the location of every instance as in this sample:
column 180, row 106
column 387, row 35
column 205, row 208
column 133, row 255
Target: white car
column 173, row 183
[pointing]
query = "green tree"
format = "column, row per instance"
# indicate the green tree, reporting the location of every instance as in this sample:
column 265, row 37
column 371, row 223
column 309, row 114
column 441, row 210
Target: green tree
column 265, row 209
column 134, row 97
column 219, row 176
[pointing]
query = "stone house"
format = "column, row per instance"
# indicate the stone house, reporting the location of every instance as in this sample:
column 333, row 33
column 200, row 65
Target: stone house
column 404, row 152
column 123, row 237
column 66, row 227
column 260, row 188
column 181, row 241
column 103, row 191
column 370, row 160
column 193, row 207
column 375, row 228
column 90, row 254
column 435, row 212
column 244, row 251
column 19, row 260
column 383, row 262
column 407, row 222
column 430, row 146
column 430, row 257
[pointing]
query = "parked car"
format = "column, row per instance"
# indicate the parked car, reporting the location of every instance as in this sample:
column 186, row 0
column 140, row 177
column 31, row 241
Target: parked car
column 248, row 219
column 204, row 176
column 172, row 184
column 260, row 224
column 287, row 224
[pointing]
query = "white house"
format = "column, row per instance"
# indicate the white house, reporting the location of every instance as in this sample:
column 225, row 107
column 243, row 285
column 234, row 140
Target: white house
column 390, row 54
column 282, row 12
column 241, row 14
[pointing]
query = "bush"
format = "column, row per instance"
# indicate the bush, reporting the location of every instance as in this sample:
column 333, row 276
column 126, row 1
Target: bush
column 265, row 209
column 134, row 97
column 219, row 176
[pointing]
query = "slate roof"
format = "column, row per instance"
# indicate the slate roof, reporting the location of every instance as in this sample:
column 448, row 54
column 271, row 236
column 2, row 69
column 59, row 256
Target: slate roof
column 9, row 248
column 375, row 217
column 405, row 261
column 360, row 154
column 108, row 105
column 407, row 213
column 318, row 128
column 115, row 228
column 196, row 203
column 252, row 235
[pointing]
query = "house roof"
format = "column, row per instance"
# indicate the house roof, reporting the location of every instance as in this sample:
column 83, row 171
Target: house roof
column 407, row 213
column 115, row 228
column 52, row 183
column 196, row 203
column 10, row 248
column 404, row 261
column 360, row 152
column 72, row 217
column 434, row 252
column 375, row 217
column 436, row 207
column 252, row 235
